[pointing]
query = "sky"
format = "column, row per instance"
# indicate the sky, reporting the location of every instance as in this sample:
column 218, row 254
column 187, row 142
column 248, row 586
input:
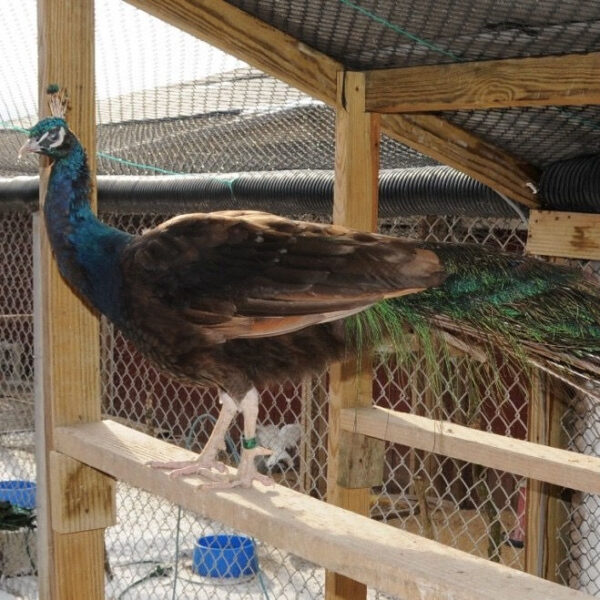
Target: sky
column 134, row 51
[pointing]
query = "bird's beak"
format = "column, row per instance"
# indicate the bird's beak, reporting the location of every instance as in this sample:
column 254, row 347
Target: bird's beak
column 31, row 145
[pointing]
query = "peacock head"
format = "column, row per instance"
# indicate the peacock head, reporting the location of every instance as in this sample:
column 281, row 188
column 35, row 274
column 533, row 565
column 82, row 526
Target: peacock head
column 50, row 136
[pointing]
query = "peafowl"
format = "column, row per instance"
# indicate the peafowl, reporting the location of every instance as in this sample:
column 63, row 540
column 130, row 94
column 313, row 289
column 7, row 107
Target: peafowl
column 239, row 299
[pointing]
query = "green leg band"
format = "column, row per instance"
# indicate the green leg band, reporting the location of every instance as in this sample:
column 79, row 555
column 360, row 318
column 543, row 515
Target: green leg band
column 249, row 443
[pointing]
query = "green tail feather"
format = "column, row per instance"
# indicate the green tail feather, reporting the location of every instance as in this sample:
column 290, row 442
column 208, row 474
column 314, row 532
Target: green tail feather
column 513, row 304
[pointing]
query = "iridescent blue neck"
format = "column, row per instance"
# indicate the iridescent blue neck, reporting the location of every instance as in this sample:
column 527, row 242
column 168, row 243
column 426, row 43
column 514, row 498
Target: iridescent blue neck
column 87, row 251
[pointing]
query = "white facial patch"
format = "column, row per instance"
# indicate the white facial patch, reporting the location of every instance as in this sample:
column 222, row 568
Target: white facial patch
column 59, row 140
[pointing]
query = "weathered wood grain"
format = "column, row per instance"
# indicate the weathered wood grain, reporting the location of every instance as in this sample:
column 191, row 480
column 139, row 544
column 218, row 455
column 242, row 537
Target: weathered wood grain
column 553, row 465
column 536, row 81
column 389, row 559
column 72, row 565
column 466, row 152
column 565, row 234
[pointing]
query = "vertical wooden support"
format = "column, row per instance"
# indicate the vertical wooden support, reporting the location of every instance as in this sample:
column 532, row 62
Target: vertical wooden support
column 68, row 335
column 355, row 205
column 545, row 514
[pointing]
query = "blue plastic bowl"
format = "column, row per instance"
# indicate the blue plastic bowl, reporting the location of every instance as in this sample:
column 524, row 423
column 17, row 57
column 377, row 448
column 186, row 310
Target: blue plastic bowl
column 18, row 493
column 225, row 556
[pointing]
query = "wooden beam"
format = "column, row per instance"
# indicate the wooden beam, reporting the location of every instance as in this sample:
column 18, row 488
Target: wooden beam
column 465, row 152
column 538, row 81
column 354, row 205
column 564, row 234
column 236, row 32
column 355, row 191
column 280, row 55
column 553, row 465
column 68, row 339
column 82, row 498
column 389, row 559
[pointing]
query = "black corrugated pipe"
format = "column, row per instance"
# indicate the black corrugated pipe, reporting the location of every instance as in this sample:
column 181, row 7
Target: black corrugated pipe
column 403, row 192
column 572, row 185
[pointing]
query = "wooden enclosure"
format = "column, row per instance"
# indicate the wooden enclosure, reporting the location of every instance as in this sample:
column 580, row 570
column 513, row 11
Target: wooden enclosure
column 75, row 446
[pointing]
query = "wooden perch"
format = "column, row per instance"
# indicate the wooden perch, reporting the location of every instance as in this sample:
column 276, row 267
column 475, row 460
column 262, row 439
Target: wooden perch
column 389, row 559
column 553, row 465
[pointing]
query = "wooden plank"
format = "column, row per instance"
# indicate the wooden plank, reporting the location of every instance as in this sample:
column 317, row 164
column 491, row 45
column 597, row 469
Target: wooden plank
column 360, row 461
column 553, row 465
column 82, row 551
column 354, row 205
column 565, row 234
column 82, row 498
column 355, row 190
column 276, row 53
column 546, row 541
column 74, row 566
column 252, row 40
column 535, row 81
column 464, row 151
column 392, row 560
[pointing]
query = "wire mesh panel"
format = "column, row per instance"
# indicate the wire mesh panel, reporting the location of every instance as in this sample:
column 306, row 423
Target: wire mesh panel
column 17, row 465
column 167, row 103
column 152, row 549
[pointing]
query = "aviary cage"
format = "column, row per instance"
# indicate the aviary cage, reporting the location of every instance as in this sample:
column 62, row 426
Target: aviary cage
column 183, row 126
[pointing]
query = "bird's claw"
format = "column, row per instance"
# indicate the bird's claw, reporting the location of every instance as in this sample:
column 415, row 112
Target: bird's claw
column 201, row 466
column 222, row 480
column 246, row 473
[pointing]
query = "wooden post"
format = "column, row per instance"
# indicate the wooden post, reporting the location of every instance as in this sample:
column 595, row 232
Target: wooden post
column 355, row 205
column 68, row 340
column 545, row 514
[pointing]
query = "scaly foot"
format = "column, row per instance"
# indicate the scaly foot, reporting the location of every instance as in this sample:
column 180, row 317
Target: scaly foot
column 200, row 466
column 246, row 473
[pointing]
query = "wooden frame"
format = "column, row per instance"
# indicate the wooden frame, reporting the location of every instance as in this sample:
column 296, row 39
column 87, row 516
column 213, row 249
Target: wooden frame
column 564, row 234
column 537, row 81
column 68, row 341
column 77, row 446
column 284, row 57
column 465, row 152
column 533, row 460
column 392, row 560
column 354, row 205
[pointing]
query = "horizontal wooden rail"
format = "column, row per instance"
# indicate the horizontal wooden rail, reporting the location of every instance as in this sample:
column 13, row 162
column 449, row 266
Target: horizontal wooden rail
column 564, row 234
column 536, row 81
column 561, row 467
column 386, row 558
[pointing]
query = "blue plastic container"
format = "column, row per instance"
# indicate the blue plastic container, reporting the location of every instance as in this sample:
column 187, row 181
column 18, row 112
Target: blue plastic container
column 18, row 492
column 225, row 556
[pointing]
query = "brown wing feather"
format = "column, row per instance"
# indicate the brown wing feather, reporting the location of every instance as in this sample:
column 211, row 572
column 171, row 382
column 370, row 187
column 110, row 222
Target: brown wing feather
column 242, row 274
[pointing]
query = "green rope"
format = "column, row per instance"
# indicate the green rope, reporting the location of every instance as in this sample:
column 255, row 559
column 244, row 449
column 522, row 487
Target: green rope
column 130, row 163
column 403, row 32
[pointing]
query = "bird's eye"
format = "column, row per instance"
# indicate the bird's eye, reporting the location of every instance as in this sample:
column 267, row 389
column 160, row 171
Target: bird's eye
column 53, row 138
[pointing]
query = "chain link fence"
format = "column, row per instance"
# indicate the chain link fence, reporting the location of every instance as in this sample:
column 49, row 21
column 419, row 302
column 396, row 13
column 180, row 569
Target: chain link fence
column 169, row 104
column 150, row 552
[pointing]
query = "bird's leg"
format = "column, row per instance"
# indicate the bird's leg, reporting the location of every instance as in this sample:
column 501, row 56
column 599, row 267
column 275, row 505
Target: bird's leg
column 216, row 442
column 247, row 472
